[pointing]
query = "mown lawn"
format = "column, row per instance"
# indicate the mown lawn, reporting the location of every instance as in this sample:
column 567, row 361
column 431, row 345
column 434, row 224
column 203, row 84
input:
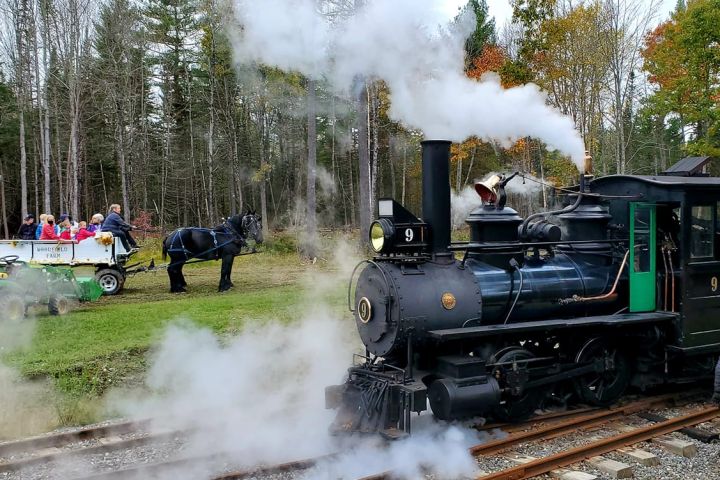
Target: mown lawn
column 105, row 344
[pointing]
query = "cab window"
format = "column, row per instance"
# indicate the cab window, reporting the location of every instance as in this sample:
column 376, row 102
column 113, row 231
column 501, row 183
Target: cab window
column 702, row 231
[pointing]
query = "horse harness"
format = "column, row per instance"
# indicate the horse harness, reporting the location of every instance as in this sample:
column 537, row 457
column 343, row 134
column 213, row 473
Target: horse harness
column 234, row 237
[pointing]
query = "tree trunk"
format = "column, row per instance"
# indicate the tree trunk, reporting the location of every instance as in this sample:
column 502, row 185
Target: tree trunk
column 263, row 165
column 364, row 167
column 404, row 170
column 211, row 137
column 310, row 248
column 123, row 167
column 74, row 153
column 333, row 196
column 23, row 165
column 374, row 159
column 20, row 19
column 458, row 176
column 2, row 205
column 363, row 155
column 47, row 196
column 353, row 206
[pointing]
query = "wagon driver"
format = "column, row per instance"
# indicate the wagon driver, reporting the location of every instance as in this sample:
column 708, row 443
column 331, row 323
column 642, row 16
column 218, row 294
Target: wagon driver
column 119, row 228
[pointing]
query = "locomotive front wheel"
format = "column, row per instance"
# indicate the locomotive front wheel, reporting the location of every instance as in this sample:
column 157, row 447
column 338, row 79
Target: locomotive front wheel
column 515, row 408
column 606, row 387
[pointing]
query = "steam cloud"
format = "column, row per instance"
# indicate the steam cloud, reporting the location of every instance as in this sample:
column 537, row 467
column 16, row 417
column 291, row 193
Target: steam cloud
column 461, row 204
column 25, row 408
column 404, row 43
column 258, row 398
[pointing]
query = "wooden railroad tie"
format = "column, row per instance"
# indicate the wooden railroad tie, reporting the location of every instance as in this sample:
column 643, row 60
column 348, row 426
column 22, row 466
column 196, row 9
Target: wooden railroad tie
column 644, row 458
column 678, row 447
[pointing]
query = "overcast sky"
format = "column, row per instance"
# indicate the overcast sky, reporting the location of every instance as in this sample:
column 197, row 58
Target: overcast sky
column 501, row 10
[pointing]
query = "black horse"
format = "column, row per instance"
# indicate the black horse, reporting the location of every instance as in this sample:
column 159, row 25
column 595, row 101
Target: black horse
column 223, row 242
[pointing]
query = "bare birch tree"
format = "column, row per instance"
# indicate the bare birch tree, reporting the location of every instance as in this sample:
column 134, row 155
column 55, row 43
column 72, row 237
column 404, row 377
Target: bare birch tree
column 627, row 22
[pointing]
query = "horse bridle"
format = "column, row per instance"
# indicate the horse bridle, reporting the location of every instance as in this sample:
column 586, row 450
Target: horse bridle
column 247, row 223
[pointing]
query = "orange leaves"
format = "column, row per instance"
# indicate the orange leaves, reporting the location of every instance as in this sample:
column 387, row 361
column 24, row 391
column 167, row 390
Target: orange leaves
column 461, row 151
column 492, row 59
column 662, row 56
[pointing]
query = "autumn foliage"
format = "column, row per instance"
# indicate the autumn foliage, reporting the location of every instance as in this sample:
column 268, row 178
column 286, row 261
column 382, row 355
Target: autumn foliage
column 491, row 59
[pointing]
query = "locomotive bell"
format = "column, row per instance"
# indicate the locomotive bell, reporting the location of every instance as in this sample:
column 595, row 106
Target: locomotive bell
column 488, row 189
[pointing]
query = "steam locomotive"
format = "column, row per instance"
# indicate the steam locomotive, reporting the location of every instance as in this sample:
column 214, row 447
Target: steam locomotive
column 617, row 288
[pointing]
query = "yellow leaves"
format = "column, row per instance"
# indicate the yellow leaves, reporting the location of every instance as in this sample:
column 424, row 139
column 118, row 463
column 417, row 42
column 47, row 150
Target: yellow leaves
column 262, row 172
column 461, row 151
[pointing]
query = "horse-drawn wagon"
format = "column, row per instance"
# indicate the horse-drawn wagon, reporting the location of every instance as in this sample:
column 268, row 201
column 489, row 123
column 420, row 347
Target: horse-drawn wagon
column 104, row 255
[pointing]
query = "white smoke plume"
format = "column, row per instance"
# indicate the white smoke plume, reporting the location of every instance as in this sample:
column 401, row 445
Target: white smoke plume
column 407, row 44
column 259, row 399
column 25, row 405
column 327, row 184
column 461, row 204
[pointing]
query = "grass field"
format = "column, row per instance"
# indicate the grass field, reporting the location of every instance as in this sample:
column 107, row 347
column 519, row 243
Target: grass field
column 99, row 346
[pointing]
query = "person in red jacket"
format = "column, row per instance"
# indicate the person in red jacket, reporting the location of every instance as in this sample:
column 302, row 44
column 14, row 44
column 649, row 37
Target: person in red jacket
column 68, row 233
column 48, row 229
column 83, row 232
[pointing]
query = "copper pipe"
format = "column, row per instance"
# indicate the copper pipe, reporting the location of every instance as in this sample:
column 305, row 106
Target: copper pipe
column 666, row 279
column 672, row 272
column 576, row 298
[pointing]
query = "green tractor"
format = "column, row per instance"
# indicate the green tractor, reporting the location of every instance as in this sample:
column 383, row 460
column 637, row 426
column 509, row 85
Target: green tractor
column 23, row 284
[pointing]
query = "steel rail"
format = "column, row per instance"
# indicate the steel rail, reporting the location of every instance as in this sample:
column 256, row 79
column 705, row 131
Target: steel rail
column 560, row 428
column 113, row 446
column 154, row 469
column 563, row 459
column 561, row 423
column 64, row 438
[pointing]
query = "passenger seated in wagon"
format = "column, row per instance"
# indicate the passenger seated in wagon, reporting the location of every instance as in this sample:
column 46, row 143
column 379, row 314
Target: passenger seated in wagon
column 48, row 229
column 119, row 228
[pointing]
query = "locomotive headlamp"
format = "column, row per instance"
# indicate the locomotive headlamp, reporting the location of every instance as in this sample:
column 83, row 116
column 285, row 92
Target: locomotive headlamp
column 396, row 231
column 382, row 232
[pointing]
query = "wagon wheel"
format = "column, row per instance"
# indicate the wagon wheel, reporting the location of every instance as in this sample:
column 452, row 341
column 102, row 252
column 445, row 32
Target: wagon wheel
column 110, row 280
column 58, row 305
column 515, row 408
column 606, row 387
column 12, row 307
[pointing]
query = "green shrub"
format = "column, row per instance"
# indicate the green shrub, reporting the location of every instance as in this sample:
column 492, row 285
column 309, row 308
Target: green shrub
column 281, row 243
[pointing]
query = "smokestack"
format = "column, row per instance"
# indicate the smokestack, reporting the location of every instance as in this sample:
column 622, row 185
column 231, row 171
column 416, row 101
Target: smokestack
column 436, row 192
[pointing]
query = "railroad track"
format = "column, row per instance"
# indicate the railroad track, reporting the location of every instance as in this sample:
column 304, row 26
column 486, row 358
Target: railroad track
column 529, row 467
column 109, row 438
column 594, row 449
column 20, row 454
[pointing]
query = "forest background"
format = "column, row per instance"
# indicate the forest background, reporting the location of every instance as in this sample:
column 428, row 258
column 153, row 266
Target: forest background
column 141, row 102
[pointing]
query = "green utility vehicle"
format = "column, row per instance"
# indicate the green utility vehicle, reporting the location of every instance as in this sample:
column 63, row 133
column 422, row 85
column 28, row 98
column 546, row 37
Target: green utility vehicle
column 23, row 284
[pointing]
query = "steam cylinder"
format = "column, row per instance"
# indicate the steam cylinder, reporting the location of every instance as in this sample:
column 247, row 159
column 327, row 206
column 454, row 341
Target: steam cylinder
column 450, row 400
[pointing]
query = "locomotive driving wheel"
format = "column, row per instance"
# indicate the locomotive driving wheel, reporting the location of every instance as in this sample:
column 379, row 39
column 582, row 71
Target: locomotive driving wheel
column 602, row 388
column 514, row 408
